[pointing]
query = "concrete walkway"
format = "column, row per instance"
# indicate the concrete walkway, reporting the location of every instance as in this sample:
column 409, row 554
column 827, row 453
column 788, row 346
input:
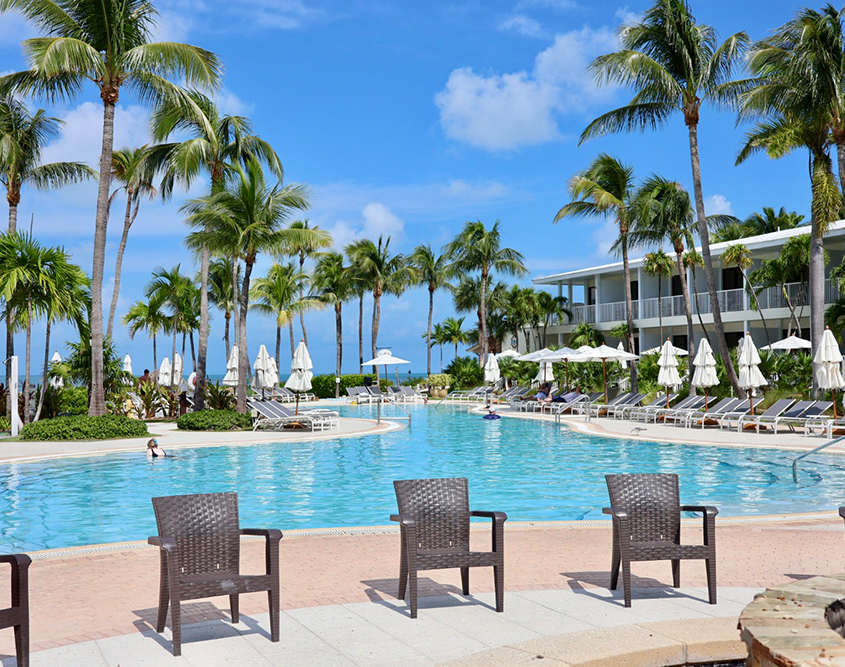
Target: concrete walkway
column 552, row 624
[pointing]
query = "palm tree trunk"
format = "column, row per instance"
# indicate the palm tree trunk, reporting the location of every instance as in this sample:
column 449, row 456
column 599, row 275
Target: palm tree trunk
column 46, row 366
column 227, row 317
column 441, row 357
column 791, row 310
column 697, row 305
column 428, row 332
column 660, row 306
column 629, row 309
column 482, row 319
column 292, row 344
column 456, row 351
column 278, row 344
column 236, row 300
column 184, row 336
column 338, row 322
column 301, row 298
column 155, row 354
column 193, row 352
column 816, row 287
column 376, row 318
column 704, row 234
column 243, row 357
column 679, row 252
column 10, row 315
column 202, row 353
column 26, row 363
column 840, row 157
column 750, row 288
column 361, row 333
column 118, row 263
column 97, row 405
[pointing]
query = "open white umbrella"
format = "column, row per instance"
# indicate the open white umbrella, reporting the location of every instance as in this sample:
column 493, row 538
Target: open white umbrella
column 263, row 371
column 58, row 383
column 668, row 365
column 300, row 372
column 750, row 377
column 705, row 369
column 385, row 358
column 231, row 377
column 507, row 353
column 602, row 353
column 165, row 372
column 828, row 357
column 792, row 342
column 177, row 370
column 566, row 354
column 537, row 355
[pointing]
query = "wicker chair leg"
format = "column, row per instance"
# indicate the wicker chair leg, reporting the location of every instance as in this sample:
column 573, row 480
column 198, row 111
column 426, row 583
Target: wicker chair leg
column 614, row 564
column 234, row 605
column 274, row 599
column 176, row 620
column 676, row 572
column 22, row 642
column 465, row 580
column 163, row 597
column 626, row 581
column 412, row 585
column 403, row 566
column 711, row 579
column 499, row 584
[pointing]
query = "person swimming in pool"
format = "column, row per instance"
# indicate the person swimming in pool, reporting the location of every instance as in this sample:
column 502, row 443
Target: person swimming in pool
column 491, row 414
column 154, row 451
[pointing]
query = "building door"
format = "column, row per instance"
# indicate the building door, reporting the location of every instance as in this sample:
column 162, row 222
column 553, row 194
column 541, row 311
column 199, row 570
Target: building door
column 680, row 341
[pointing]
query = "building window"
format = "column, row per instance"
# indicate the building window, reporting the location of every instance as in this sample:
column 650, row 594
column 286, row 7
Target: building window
column 591, row 296
column 731, row 278
column 732, row 338
column 635, row 290
column 677, row 290
column 680, row 341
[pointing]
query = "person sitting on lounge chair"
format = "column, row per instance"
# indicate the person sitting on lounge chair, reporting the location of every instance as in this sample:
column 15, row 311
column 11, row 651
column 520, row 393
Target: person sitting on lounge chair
column 544, row 393
column 566, row 398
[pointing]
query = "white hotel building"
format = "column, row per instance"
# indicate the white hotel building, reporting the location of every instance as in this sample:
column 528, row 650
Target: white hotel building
column 597, row 295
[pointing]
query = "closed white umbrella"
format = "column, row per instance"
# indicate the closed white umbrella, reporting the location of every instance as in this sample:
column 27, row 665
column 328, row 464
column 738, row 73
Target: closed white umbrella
column 491, row 372
column 127, row 363
column 668, row 365
column 828, row 357
column 705, row 368
column 300, row 375
column 273, row 373
column 231, row 377
column 177, row 370
column 165, row 373
column 57, row 382
column 385, row 358
column 545, row 373
column 622, row 362
column 263, row 370
column 679, row 352
column 792, row 342
column 750, row 376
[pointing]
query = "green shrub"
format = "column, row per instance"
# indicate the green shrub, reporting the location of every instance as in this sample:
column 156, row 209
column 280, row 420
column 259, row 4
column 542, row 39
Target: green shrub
column 82, row 427
column 439, row 380
column 73, row 401
column 465, row 372
column 213, row 420
column 323, row 385
column 5, row 424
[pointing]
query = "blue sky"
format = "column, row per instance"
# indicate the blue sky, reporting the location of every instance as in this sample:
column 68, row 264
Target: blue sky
column 406, row 119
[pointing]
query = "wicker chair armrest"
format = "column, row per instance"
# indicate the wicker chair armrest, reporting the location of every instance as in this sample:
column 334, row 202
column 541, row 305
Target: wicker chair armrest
column 271, row 534
column 708, row 510
column 498, row 517
column 405, row 519
column 166, row 543
column 618, row 513
column 17, row 561
column 842, row 512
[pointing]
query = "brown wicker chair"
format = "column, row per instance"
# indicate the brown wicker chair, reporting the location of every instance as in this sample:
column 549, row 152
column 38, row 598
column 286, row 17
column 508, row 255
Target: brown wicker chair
column 17, row 616
column 646, row 513
column 199, row 537
column 434, row 519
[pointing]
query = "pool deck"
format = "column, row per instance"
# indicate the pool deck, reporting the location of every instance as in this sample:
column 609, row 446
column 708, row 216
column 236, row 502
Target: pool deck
column 96, row 606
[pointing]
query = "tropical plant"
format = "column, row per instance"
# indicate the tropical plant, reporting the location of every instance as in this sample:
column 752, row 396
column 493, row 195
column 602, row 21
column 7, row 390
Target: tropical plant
column 585, row 333
column 174, row 290
column 82, row 427
column 438, row 337
column 77, row 368
column 334, row 283
column 433, row 272
column 382, row 272
column 765, row 221
column 739, row 255
column 223, row 276
column 244, row 219
column 465, row 373
column 146, row 316
column 151, row 399
column 214, row 420
column 478, row 249
column 129, row 169
column 607, row 188
column 658, row 264
column 452, row 332
column 109, row 45
column 219, row 398
column 551, row 309
column 467, row 299
column 674, row 64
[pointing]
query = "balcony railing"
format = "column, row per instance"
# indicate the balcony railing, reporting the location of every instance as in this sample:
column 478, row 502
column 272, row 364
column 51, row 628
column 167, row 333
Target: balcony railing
column 730, row 301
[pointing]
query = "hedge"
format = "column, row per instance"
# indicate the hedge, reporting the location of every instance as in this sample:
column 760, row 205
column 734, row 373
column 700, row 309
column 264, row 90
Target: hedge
column 82, row 427
column 5, row 424
column 323, row 385
column 213, row 420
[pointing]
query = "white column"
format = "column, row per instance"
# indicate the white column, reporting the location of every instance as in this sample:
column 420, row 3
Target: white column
column 599, row 299
column 569, row 293
column 640, row 287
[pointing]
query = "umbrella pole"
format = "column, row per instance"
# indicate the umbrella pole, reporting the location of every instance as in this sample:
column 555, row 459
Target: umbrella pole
column 751, row 399
column 833, row 392
column 604, row 376
column 567, row 375
column 297, row 404
column 705, row 399
column 667, row 397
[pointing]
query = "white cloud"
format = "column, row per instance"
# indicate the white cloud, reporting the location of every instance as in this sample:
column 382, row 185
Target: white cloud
column 627, row 17
column 524, row 25
column 506, row 111
column 230, row 104
column 718, row 205
column 376, row 220
column 179, row 18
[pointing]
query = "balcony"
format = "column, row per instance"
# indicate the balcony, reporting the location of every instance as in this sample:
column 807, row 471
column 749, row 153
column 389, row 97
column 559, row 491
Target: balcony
column 729, row 301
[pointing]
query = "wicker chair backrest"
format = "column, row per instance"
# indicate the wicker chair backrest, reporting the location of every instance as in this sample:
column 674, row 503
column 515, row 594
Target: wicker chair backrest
column 652, row 502
column 206, row 529
column 440, row 508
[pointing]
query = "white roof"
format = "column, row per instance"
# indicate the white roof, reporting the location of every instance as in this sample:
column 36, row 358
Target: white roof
column 773, row 240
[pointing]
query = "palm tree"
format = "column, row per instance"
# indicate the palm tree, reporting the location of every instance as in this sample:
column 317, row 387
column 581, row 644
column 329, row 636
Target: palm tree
column 765, row 221
column 106, row 43
column 692, row 261
column 277, row 295
column 433, row 272
column 146, row 316
column 453, row 333
column 214, row 142
column 244, row 219
column 798, row 101
column 477, row 248
column 664, row 213
column 438, row 337
column 382, row 272
column 334, row 284
column 466, row 296
column 552, row 308
column 128, row 169
column 607, row 188
column 172, row 289
column 305, row 241
column 739, row 255
column 674, row 64
column 221, row 291
column 658, row 264
column 586, row 334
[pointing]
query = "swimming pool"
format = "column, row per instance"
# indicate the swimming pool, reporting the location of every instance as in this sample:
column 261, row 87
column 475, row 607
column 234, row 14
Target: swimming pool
column 531, row 470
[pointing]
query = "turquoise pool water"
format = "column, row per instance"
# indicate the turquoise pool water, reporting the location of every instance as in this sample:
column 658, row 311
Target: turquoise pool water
column 532, row 471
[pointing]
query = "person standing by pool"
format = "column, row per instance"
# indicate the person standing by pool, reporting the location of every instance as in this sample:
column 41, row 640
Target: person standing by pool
column 154, row 451
column 146, row 378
